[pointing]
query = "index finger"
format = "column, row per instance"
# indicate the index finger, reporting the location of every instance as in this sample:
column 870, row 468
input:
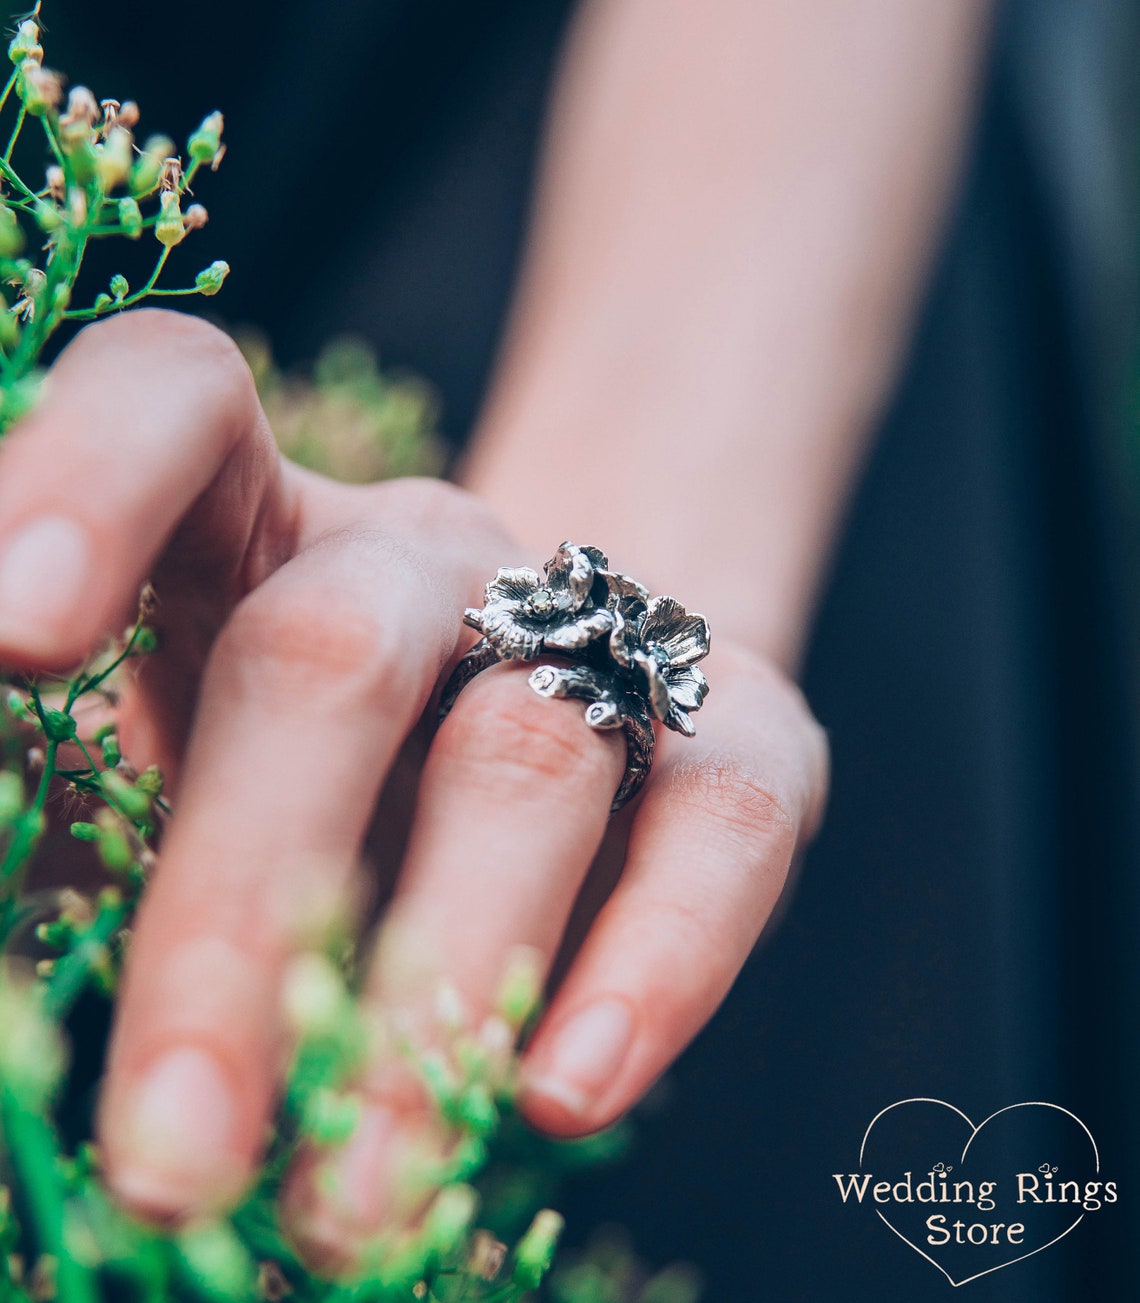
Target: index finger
column 142, row 418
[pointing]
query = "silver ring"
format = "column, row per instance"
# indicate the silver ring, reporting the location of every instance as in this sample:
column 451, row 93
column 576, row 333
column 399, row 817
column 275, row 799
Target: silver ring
column 631, row 657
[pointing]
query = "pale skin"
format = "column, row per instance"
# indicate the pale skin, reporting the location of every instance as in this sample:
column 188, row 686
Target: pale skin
column 737, row 208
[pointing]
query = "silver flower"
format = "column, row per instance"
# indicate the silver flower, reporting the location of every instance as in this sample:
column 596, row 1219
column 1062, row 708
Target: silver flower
column 524, row 614
column 660, row 642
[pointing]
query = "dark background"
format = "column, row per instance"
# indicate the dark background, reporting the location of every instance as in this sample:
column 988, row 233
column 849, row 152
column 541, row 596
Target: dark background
column 966, row 926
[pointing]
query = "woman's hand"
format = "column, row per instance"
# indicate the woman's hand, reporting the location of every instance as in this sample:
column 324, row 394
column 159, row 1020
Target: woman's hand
column 307, row 625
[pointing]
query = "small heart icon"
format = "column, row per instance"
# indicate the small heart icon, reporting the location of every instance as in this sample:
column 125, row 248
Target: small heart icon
column 974, row 1199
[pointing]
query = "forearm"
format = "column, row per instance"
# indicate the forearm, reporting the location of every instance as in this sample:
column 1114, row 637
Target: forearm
column 737, row 208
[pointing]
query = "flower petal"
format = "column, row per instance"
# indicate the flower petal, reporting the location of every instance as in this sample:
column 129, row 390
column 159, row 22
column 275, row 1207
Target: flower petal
column 512, row 640
column 688, row 687
column 679, row 722
column 572, row 570
column 624, row 590
column 683, row 635
column 656, row 689
column 513, row 584
column 623, row 640
column 574, row 634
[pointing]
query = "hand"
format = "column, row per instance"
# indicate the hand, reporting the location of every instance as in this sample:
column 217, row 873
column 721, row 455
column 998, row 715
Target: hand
column 307, row 625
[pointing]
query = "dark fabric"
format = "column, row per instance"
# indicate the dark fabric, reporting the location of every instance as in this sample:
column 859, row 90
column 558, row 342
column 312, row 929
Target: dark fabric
column 966, row 927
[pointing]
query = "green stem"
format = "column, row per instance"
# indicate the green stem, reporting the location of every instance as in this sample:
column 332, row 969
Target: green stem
column 81, row 686
column 73, row 970
column 8, row 89
column 21, row 118
column 171, row 294
column 11, row 175
column 34, row 1150
column 53, row 141
column 138, row 295
column 28, row 831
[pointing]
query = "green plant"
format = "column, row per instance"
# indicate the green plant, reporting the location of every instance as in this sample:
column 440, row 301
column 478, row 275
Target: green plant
column 61, row 1235
column 348, row 420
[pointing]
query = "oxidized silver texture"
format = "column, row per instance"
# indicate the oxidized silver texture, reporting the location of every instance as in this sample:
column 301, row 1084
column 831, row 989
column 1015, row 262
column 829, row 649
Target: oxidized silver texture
column 632, row 657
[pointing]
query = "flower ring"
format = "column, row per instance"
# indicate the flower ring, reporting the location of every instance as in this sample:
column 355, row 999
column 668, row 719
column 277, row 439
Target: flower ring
column 632, row 657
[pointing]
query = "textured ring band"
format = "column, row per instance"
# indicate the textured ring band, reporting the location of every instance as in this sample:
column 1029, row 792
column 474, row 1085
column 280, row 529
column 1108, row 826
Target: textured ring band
column 632, row 658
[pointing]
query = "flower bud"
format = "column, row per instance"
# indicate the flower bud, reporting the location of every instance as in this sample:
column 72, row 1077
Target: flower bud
column 85, row 832
column 209, row 282
column 329, row 1117
column 11, row 796
column 76, row 206
column 130, row 218
column 440, row 1080
column 135, row 804
column 47, row 217
column 128, row 115
column 113, row 844
column 25, row 45
column 120, row 287
column 55, row 934
column 169, row 229
column 145, row 641
column 18, row 708
column 172, row 177
column 115, row 158
column 82, row 109
column 150, row 781
column 486, row 1256
column 79, row 146
column 449, row 1218
column 75, row 909
column 521, row 987
column 58, row 725
column 57, row 182
column 205, row 143
column 195, row 217
column 216, row 1261
column 148, row 166
column 11, row 233
column 39, row 88
column 314, row 996
column 477, row 1110
column 103, row 302
column 535, row 1251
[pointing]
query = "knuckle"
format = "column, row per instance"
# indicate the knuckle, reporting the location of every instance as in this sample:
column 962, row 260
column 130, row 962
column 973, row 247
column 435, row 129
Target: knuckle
column 737, row 804
column 201, row 349
column 443, row 511
column 503, row 734
column 290, row 640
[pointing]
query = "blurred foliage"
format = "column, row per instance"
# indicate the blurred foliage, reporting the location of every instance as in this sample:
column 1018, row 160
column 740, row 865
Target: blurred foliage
column 348, row 419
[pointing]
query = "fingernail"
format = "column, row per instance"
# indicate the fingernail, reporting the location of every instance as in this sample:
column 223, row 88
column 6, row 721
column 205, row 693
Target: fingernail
column 583, row 1056
column 177, row 1139
column 44, row 569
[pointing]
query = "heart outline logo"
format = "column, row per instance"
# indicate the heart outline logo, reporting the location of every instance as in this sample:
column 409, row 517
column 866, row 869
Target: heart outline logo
column 974, row 1130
